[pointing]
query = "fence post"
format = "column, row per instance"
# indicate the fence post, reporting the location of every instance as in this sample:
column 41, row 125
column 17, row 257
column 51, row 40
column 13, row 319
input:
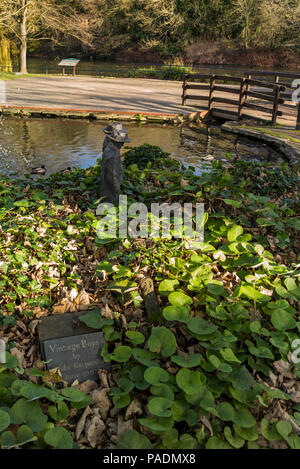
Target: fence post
column 211, row 91
column 184, row 87
column 277, row 89
column 170, row 72
column 298, row 118
column 242, row 97
column 247, row 85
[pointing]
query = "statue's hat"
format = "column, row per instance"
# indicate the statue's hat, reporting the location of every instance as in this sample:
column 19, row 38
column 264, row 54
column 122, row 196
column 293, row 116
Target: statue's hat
column 117, row 132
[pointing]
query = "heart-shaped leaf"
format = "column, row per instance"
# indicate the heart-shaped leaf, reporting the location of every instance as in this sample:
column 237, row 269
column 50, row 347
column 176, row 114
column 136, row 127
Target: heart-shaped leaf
column 162, row 341
column 190, row 381
column 156, row 375
column 160, row 406
column 176, row 313
column 201, row 327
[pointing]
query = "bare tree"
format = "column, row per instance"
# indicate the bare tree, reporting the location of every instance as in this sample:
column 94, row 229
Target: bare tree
column 29, row 20
column 245, row 15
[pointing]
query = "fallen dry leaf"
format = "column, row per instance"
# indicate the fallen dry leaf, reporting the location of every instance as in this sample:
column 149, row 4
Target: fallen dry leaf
column 87, row 386
column 101, row 401
column 93, row 431
column 81, row 423
column 133, row 408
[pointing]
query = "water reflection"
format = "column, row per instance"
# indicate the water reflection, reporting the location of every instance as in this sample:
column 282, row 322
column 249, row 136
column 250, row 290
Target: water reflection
column 57, row 144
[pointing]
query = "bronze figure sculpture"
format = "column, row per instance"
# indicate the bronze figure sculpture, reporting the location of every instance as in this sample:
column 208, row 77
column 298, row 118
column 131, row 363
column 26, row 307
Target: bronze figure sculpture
column 111, row 165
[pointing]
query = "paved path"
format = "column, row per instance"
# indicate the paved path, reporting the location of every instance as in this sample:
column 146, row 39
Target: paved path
column 106, row 94
column 132, row 95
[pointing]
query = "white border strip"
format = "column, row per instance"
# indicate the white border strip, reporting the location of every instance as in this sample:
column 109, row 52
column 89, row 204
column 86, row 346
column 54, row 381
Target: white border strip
column 2, row 92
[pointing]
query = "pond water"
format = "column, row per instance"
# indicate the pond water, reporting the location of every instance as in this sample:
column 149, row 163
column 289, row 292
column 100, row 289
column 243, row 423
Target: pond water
column 58, row 144
column 97, row 67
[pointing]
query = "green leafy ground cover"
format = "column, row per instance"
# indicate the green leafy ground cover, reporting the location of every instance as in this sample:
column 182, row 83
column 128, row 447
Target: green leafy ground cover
column 215, row 369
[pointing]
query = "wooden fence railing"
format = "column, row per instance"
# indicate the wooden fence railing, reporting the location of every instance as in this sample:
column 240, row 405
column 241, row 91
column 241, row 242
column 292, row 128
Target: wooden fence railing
column 272, row 99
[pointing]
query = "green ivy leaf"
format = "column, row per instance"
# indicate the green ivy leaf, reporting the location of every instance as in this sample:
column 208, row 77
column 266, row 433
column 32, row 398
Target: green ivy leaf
column 157, row 424
column 167, row 286
column 30, row 413
column 7, row 440
column 190, row 361
column 4, row 420
column 234, row 233
column 162, row 341
column 180, row 299
column 121, row 401
column 145, row 357
column 160, row 406
column 201, row 327
column 229, row 355
column 73, row 394
column 190, row 381
column 243, row 417
column 59, row 438
column 131, row 439
column 235, row 440
column 282, row 320
column 94, row 319
column 121, row 354
column 216, row 443
column 176, row 313
column 25, row 435
column 135, row 337
column 225, row 411
column 60, row 412
column 155, row 375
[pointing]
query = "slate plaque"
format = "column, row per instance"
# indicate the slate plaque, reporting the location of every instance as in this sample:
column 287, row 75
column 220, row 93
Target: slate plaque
column 72, row 347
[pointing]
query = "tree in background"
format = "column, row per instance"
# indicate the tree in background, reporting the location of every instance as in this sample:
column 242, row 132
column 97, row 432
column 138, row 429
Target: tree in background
column 244, row 16
column 279, row 23
column 103, row 28
column 31, row 20
column 5, row 57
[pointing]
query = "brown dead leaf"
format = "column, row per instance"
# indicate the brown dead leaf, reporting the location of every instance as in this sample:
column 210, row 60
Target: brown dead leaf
column 19, row 355
column 103, row 375
column 282, row 367
column 122, row 425
column 106, row 312
column 184, row 183
column 87, row 386
column 52, row 376
column 102, row 401
column 133, row 408
column 295, row 397
column 93, row 431
column 33, row 325
column 65, row 307
column 207, row 424
column 81, row 423
column 264, row 291
column 82, row 299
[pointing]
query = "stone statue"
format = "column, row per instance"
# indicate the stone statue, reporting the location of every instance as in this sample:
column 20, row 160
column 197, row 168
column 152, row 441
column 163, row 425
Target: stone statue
column 111, row 165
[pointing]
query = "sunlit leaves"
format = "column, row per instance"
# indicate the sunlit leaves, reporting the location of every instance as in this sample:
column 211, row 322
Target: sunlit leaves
column 180, row 299
column 176, row 313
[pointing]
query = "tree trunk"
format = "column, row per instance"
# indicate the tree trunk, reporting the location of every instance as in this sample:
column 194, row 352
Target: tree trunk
column 246, row 31
column 23, row 47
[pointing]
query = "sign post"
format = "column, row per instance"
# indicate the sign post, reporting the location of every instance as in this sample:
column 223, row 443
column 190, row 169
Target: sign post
column 69, row 63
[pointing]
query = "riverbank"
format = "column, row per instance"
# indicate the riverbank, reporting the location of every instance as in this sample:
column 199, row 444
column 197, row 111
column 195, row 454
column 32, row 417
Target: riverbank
column 281, row 138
